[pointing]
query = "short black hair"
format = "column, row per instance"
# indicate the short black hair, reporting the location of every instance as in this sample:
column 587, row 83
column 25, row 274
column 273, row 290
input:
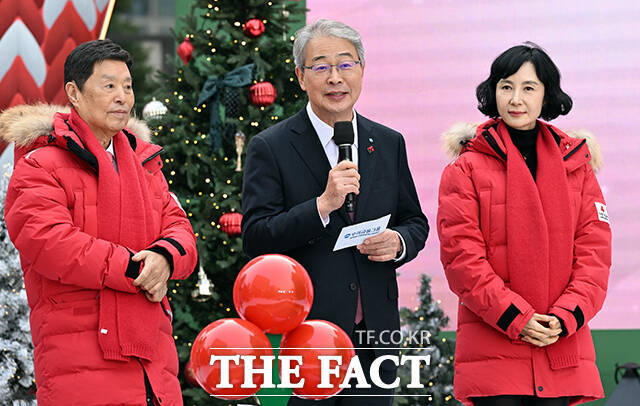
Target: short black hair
column 80, row 62
column 556, row 101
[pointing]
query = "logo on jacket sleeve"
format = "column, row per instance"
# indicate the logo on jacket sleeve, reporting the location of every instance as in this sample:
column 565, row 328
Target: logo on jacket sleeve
column 602, row 212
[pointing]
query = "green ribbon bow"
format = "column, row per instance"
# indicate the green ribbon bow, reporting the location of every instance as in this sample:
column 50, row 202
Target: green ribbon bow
column 239, row 77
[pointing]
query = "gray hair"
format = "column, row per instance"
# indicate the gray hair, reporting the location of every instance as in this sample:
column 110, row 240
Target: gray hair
column 325, row 28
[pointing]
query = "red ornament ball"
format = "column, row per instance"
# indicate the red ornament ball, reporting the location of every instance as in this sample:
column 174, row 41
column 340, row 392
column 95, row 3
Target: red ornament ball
column 274, row 292
column 310, row 340
column 253, row 27
column 231, row 224
column 190, row 375
column 229, row 337
column 262, row 94
column 185, row 50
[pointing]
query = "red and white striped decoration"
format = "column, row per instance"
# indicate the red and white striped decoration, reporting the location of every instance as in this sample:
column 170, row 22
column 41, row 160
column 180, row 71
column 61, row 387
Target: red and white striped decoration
column 35, row 38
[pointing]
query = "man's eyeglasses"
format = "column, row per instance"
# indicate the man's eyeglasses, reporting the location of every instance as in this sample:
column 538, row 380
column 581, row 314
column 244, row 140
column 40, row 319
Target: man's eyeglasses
column 325, row 68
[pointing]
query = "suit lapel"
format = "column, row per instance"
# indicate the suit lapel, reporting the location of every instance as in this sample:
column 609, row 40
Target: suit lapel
column 306, row 143
column 366, row 165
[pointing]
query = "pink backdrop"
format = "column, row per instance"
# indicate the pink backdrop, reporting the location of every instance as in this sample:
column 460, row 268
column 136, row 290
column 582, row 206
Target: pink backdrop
column 424, row 60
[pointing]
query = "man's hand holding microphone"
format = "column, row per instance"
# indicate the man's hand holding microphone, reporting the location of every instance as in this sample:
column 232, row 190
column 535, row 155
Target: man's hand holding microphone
column 343, row 184
column 343, row 179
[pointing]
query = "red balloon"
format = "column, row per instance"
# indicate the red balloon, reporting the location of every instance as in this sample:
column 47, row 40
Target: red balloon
column 310, row 340
column 229, row 337
column 274, row 292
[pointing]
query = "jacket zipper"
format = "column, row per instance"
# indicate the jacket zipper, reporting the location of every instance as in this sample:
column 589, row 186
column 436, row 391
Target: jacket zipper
column 493, row 144
column 573, row 151
column 152, row 156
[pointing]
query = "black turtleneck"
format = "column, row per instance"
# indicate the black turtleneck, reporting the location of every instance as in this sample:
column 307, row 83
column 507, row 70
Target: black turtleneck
column 525, row 141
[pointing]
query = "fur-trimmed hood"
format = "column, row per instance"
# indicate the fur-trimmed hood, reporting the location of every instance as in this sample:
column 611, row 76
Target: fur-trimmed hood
column 459, row 133
column 23, row 124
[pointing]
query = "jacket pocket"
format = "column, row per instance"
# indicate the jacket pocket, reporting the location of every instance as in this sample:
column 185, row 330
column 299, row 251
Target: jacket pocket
column 78, row 209
column 78, row 300
column 85, row 212
column 70, row 313
column 156, row 207
column 485, row 214
column 91, row 219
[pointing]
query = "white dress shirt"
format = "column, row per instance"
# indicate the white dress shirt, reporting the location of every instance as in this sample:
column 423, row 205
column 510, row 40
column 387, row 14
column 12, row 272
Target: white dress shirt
column 110, row 148
column 113, row 154
column 325, row 134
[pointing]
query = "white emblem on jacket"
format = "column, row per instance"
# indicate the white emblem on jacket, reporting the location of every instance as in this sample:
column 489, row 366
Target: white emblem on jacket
column 602, row 212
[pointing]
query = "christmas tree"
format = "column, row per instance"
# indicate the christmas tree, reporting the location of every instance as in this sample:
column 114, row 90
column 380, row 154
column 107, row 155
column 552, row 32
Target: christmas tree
column 235, row 79
column 123, row 31
column 16, row 358
column 427, row 320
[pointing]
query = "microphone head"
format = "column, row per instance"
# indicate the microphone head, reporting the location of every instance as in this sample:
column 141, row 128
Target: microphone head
column 343, row 132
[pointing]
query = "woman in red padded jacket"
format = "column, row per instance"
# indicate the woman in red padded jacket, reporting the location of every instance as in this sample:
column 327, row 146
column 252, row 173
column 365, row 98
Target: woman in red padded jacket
column 525, row 242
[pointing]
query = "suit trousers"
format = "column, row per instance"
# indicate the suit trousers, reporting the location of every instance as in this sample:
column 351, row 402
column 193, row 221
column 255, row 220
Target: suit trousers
column 373, row 396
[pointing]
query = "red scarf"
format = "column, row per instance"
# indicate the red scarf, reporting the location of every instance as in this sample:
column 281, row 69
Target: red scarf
column 124, row 218
column 540, row 232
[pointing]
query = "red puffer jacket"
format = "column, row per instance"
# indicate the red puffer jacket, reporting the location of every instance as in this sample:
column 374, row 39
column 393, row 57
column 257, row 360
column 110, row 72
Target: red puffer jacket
column 51, row 217
column 490, row 358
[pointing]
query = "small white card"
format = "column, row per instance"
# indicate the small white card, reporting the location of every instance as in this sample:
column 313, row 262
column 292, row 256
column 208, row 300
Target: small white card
column 355, row 234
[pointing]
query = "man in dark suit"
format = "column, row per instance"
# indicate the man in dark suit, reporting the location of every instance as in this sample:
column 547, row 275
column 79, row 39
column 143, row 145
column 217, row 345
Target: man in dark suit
column 294, row 190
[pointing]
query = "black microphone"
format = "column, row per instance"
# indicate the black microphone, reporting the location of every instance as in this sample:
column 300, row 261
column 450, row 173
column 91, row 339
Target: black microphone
column 343, row 137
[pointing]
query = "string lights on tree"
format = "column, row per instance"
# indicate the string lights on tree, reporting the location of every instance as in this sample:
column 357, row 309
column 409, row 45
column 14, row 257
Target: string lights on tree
column 224, row 50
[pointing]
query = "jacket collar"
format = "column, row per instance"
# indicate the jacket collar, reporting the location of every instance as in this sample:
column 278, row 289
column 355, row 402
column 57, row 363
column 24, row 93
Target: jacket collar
column 324, row 130
column 367, row 159
column 31, row 126
column 308, row 146
column 67, row 126
column 574, row 150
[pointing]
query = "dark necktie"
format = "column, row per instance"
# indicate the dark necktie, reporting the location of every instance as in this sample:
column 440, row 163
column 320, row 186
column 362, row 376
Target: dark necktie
column 359, row 314
column 113, row 160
